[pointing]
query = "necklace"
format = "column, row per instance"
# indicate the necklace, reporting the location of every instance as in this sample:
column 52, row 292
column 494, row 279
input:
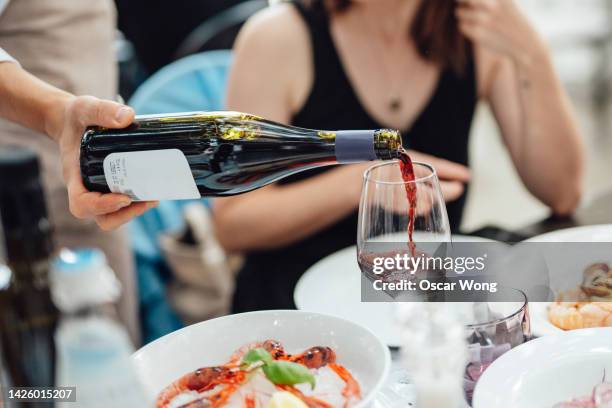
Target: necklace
column 395, row 98
column 395, row 104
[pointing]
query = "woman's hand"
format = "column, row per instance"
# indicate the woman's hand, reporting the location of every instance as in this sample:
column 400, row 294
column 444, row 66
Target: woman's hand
column 500, row 26
column 452, row 176
column 66, row 126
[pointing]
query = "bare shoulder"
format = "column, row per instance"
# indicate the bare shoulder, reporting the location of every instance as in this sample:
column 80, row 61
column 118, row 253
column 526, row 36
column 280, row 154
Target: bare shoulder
column 488, row 66
column 278, row 26
column 275, row 43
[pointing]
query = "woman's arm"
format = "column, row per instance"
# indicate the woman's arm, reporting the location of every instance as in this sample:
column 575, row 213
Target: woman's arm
column 540, row 131
column 280, row 215
column 26, row 100
column 528, row 101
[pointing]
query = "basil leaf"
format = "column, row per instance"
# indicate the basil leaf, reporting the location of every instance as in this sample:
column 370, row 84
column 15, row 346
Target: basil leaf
column 256, row 355
column 288, row 373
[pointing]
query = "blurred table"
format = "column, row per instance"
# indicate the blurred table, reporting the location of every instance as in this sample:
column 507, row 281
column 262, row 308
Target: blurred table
column 597, row 211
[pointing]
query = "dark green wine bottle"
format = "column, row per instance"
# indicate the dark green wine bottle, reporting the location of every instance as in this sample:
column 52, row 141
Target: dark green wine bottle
column 192, row 155
column 28, row 316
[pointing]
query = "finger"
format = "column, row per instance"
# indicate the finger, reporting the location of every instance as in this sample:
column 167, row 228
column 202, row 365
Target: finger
column 108, row 222
column 471, row 16
column 473, row 32
column 445, row 169
column 448, row 170
column 451, row 190
column 475, row 4
column 85, row 203
column 93, row 111
column 152, row 204
column 94, row 204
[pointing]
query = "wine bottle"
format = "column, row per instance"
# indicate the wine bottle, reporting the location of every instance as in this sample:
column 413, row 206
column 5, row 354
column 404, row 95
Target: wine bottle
column 28, row 316
column 191, row 155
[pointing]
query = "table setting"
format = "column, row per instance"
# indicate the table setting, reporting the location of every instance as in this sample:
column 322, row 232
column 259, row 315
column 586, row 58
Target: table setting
column 306, row 204
column 508, row 351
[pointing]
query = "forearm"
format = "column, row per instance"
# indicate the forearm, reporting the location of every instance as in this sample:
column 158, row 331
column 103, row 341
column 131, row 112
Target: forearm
column 282, row 215
column 549, row 154
column 26, row 100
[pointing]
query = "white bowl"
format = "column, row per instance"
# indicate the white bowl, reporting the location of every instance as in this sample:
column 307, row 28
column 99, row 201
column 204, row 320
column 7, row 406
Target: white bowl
column 546, row 371
column 213, row 341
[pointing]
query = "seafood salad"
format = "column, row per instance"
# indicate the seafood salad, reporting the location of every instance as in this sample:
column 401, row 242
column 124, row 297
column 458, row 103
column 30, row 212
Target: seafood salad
column 265, row 375
column 601, row 397
column 591, row 303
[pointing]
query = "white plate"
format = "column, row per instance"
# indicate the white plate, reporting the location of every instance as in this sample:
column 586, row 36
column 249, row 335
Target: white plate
column 546, row 371
column 333, row 286
column 589, row 233
column 212, row 343
column 540, row 325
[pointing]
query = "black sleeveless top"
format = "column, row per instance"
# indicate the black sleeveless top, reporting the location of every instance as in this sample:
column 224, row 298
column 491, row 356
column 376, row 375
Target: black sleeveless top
column 441, row 129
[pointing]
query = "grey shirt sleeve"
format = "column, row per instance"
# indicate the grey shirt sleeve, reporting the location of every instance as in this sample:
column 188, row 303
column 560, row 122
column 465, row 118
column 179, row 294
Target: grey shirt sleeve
column 4, row 56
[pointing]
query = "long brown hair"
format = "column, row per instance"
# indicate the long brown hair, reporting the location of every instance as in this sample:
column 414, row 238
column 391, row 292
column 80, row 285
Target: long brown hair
column 434, row 31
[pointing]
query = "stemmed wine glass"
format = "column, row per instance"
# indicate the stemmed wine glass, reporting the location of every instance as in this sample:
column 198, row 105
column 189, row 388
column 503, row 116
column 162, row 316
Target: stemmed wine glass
column 385, row 216
column 384, row 221
column 383, row 210
column 383, row 231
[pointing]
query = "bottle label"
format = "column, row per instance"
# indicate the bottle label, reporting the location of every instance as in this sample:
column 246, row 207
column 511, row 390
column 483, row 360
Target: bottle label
column 151, row 175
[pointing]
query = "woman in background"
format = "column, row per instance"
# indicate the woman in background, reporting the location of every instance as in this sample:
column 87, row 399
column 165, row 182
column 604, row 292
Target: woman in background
column 415, row 65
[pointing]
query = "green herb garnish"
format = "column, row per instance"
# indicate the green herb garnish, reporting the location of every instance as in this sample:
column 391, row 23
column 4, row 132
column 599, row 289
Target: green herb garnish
column 279, row 372
column 288, row 373
column 256, row 355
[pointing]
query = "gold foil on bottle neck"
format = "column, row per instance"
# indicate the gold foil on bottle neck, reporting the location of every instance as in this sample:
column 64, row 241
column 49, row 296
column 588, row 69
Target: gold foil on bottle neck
column 387, row 143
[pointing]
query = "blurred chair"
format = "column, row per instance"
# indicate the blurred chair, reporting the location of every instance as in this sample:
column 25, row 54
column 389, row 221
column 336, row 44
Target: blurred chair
column 220, row 31
column 197, row 82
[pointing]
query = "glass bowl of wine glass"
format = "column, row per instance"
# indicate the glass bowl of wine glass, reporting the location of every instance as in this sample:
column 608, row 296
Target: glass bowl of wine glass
column 401, row 213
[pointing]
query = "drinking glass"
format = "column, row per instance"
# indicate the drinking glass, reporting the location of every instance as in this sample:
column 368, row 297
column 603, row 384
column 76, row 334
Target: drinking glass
column 384, row 216
column 503, row 327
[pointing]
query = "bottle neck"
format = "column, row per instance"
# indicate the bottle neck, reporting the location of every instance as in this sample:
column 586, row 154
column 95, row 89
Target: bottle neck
column 387, row 144
column 354, row 146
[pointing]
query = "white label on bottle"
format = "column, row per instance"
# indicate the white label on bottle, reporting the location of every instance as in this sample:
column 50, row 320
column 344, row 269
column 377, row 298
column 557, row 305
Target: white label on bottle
column 150, row 175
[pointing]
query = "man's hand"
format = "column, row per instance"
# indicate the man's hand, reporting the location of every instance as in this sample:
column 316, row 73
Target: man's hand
column 66, row 127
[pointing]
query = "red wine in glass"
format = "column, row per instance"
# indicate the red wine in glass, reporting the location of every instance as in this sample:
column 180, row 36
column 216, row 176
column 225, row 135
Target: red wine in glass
column 407, row 170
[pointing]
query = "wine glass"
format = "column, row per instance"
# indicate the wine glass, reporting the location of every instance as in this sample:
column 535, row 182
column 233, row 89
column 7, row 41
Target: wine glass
column 385, row 219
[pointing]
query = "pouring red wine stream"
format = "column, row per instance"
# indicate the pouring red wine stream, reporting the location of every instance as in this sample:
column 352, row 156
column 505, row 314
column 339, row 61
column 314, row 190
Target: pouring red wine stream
column 407, row 170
